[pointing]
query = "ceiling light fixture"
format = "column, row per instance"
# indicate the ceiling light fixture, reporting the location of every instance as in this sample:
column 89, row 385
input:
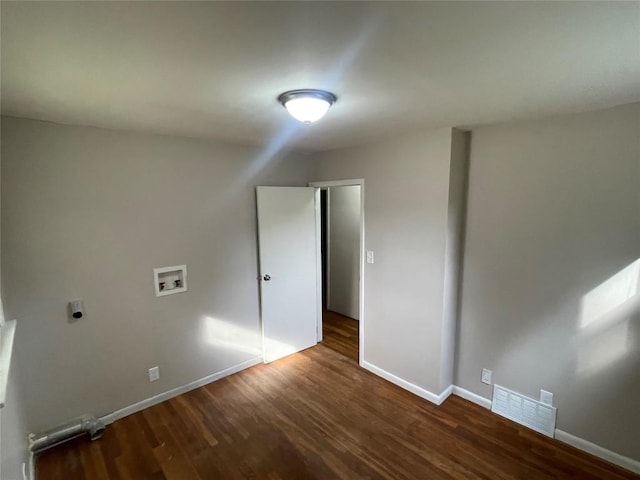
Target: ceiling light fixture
column 307, row 106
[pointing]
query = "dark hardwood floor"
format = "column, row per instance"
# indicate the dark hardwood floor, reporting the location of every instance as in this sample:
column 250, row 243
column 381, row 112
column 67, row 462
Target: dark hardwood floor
column 317, row 415
column 340, row 334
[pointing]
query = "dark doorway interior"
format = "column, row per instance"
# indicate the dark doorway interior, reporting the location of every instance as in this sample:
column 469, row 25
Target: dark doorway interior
column 323, row 244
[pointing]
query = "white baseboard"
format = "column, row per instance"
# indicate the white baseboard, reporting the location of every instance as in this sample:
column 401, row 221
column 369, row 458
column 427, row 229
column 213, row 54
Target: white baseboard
column 598, row 451
column 472, row 397
column 149, row 402
column 577, row 442
column 419, row 391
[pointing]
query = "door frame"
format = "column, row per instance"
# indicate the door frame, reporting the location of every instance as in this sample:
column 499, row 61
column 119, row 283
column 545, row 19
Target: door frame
column 343, row 183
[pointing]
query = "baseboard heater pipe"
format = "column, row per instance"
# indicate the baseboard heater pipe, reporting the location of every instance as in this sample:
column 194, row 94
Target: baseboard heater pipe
column 86, row 424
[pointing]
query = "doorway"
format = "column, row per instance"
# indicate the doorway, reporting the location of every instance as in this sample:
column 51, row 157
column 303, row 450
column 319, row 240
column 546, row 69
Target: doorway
column 341, row 224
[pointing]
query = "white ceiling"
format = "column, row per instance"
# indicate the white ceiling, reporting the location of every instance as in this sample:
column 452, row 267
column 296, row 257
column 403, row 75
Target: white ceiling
column 214, row 69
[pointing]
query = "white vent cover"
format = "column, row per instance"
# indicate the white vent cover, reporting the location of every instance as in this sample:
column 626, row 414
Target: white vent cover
column 524, row 410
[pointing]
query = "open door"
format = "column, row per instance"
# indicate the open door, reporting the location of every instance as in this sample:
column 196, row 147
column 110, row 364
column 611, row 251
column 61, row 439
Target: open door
column 287, row 245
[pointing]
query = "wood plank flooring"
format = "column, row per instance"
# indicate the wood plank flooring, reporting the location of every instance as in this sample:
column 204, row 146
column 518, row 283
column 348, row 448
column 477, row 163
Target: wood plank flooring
column 340, row 334
column 317, row 415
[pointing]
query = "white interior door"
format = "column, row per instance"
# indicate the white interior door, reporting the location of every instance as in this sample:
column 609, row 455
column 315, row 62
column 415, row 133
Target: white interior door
column 288, row 269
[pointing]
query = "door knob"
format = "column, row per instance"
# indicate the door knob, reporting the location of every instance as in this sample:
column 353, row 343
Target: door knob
column 266, row 278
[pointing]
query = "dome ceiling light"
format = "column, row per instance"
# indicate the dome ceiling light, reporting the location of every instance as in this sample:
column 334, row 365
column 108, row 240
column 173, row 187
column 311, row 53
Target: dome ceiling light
column 307, row 106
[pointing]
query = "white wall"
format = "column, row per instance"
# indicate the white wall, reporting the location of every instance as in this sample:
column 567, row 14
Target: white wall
column 456, row 218
column 88, row 213
column 406, row 221
column 344, row 250
column 14, row 450
column 13, row 427
column 553, row 215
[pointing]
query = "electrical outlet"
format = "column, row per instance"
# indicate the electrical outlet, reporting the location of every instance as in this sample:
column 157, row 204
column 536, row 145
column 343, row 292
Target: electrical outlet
column 486, row 376
column 369, row 256
column 154, row 374
column 546, row 397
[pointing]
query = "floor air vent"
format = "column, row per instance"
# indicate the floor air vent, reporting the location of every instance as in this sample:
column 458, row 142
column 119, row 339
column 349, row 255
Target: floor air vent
column 524, row 410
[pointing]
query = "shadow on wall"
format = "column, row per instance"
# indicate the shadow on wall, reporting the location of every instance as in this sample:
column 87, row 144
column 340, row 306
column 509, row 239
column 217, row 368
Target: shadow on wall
column 606, row 315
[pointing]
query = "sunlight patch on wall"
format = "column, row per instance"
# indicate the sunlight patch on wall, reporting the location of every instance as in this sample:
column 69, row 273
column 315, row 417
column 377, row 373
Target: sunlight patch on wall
column 610, row 294
column 224, row 334
column 601, row 350
column 606, row 314
column 220, row 333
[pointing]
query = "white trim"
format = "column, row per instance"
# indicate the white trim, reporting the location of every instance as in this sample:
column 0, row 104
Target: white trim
column 415, row 389
column 363, row 254
column 318, row 266
column 472, row 397
column 337, row 183
column 174, row 392
column 598, row 451
column 577, row 442
column 361, row 316
column 31, row 471
column 446, row 393
column 328, row 252
column 7, row 336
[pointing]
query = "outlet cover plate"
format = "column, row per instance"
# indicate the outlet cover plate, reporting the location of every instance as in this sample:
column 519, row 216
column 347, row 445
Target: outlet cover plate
column 546, row 397
column 486, row 376
column 154, row 374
